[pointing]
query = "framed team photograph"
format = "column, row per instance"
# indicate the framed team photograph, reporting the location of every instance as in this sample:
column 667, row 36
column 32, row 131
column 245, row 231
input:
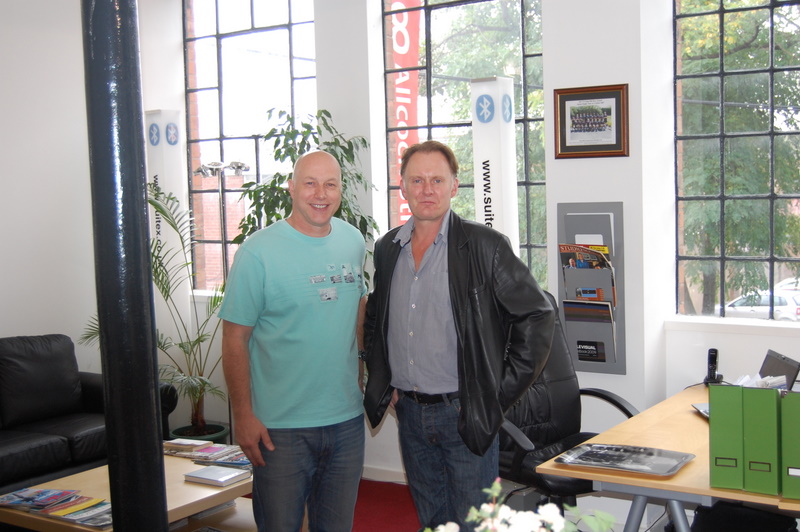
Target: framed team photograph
column 592, row 121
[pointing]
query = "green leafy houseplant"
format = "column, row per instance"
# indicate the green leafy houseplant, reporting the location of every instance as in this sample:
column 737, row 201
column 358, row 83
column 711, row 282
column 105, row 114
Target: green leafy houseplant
column 291, row 138
column 191, row 361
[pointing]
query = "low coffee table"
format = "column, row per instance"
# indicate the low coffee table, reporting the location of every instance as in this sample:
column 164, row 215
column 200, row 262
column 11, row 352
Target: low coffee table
column 183, row 498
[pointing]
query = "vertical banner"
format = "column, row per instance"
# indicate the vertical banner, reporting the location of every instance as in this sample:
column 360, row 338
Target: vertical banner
column 164, row 157
column 494, row 149
column 402, row 94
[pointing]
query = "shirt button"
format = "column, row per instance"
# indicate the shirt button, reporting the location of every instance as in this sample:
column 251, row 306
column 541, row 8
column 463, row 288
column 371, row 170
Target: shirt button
column 411, row 333
column 413, row 306
column 416, row 278
column 411, row 362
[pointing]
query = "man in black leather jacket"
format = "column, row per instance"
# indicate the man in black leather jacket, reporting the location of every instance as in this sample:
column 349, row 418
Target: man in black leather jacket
column 465, row 332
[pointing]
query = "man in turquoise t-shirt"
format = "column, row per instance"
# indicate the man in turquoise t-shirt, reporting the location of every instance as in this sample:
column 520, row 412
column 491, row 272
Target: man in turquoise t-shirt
column 293, row 300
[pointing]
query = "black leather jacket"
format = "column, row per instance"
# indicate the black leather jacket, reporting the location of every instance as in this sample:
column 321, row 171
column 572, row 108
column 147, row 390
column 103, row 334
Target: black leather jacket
column 504, row 324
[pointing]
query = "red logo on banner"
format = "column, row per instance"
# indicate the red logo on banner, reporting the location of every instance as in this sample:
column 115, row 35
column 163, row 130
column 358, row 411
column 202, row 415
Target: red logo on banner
column 403, row 93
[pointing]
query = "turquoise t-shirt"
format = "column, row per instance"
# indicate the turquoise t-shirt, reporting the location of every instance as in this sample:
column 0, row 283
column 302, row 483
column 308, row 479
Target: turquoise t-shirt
column 300, row 294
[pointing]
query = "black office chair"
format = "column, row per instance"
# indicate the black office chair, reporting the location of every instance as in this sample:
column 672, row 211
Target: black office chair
column 546, row 421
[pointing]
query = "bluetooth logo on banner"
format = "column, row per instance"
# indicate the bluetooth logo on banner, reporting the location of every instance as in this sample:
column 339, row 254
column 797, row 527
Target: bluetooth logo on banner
column 154, row 134
column 172, row 134
column 508, row 108
column 484, row 108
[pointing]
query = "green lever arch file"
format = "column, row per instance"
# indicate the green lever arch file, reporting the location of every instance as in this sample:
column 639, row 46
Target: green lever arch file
column 726, row 444
column 790, row 445
column 761, row 425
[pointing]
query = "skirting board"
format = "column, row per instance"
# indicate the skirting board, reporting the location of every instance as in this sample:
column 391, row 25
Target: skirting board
column 384, row 475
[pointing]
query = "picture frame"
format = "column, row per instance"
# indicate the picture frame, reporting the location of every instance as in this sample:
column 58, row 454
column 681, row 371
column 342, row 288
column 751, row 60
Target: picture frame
column 592, row 122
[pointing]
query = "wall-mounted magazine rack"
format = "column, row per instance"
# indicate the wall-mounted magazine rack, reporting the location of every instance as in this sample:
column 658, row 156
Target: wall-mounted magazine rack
column 590, row 286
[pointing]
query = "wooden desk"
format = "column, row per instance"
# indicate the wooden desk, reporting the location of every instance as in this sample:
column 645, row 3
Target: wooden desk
column 671, row 424
column 183, row 498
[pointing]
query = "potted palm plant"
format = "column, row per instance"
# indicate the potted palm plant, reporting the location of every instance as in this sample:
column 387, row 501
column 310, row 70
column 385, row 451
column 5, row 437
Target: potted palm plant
column 189, row 347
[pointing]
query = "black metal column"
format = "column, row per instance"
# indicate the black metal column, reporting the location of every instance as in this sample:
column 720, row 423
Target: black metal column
column 121, row 243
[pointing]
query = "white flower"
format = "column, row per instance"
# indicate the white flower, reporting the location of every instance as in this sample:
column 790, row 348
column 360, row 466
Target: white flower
column 449, row 527
column 550, row 513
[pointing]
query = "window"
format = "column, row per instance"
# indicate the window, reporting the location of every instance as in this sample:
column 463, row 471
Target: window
column 433, row 49
column 737, row 146
column 243, row 57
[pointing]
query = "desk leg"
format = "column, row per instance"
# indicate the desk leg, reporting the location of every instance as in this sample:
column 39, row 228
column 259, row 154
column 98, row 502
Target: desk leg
column 678, row 515
column 635, row 514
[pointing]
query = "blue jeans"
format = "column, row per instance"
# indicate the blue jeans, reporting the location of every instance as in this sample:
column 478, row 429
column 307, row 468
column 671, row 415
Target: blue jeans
column 445, row 477
column 318, row 466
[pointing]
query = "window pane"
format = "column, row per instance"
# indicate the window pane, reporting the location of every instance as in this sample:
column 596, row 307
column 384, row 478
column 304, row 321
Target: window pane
column 787, row 101
column 302, row 10
column 698, row 287
column 747, row 103
column 234, row 15
column 470, row 42
column 746, row 278
column 787, row 276
column 699, row 106
column 787, row 228
column 747, row 165
column 200, row 18
column 303, row 43
column 204, row 108
column 234, row 212
column 243, row 151
column 202, row 70
column 534, row 87
column 733, row 4
column 256, row 78
column 538, row 214
column 405, row 33
column 747, row 228
column 787, row 164
column 698, row 223
column 533, row 26
column 205, row 208
column 747, row 40
column 403, row 109
column 203, row 153
column 208, row 265
column 270, row 12
column 697, row 6
column 698, row 167
column 305, row 97
column 538, row 258
column 786, row 22
column 536, row 155
column 698, row 45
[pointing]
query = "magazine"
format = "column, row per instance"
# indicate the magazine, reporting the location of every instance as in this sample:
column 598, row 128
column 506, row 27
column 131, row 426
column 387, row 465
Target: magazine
column 214, row 451
column 29, row 498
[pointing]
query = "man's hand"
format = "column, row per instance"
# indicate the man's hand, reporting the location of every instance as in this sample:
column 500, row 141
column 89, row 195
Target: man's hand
column 249, row 433
column 395, row 397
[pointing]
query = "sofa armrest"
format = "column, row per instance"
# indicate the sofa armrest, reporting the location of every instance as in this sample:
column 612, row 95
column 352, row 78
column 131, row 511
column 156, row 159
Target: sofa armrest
column 92, row 392
column 169, row 400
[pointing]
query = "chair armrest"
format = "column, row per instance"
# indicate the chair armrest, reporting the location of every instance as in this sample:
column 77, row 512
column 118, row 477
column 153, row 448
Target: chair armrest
column 610, row 397
column 169, row 401
column 92, row 392
column 520, row 440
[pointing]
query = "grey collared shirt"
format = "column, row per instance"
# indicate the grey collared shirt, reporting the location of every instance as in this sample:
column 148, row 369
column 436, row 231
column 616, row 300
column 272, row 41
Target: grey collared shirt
column 422, row 334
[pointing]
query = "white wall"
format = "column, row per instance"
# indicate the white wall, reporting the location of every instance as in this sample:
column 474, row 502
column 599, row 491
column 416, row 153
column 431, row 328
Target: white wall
column 47, row 263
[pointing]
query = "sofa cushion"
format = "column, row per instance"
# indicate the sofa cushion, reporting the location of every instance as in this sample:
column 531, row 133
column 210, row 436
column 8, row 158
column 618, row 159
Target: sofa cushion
column 84, row 432
column 38, row 378
column 24, row 454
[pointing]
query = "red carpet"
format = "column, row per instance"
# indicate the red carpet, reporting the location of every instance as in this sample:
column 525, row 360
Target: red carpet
column 384, row 507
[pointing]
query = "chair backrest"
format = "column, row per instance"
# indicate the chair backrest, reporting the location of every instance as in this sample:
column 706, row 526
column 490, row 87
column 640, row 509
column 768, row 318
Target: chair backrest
column 551, row 408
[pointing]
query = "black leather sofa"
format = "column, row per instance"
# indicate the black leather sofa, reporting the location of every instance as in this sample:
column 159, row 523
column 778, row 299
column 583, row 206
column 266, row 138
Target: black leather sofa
column 51, row 414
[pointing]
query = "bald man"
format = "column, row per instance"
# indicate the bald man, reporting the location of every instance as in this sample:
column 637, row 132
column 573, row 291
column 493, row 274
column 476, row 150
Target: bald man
column 292, row 305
